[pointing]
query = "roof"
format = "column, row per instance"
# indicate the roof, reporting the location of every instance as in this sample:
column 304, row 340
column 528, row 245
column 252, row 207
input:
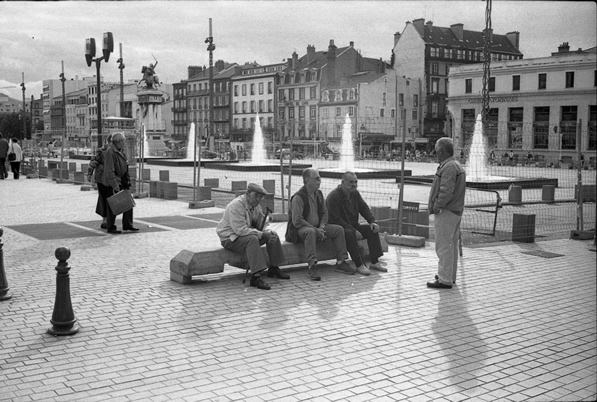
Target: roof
column 470, row 39
column 357, row 78
column 315, row 60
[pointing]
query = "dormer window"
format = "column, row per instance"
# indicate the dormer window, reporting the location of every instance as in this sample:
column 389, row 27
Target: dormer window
column 338, row 95
column 326, row 96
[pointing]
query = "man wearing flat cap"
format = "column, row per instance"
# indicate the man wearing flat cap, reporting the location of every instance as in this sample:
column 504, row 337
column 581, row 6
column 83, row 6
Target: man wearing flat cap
column 244, row 229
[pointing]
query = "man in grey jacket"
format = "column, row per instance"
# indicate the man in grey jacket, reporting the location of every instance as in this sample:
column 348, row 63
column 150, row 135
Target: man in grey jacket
column 446, row 202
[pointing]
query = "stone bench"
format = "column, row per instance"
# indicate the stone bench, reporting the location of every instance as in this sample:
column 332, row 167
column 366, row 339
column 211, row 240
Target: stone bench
column 187, row 264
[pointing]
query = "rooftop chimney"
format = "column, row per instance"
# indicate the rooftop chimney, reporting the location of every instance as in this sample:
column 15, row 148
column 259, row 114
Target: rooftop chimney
column 294, row 60
column 419, row 24
column 458, row 30
column 193, row 70
column 396, row 37
column 514, row 38
column 220, row 65
column 351, row 43
column 564, row 48
column 429, row 25
column 331, row 66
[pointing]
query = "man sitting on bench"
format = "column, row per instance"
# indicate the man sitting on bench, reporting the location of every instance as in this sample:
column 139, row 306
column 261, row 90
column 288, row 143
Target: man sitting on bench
column 243, row 229
column 345, row 205
column 308, row 224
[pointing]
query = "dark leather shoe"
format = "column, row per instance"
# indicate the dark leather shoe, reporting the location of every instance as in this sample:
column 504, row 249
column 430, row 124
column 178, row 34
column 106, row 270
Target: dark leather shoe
column 437, row 279
column 438, row 285
column 258, row 283
column 275, row 272
column 114, row 230
column 103, row 226
column 132, row 229
column 313, row 274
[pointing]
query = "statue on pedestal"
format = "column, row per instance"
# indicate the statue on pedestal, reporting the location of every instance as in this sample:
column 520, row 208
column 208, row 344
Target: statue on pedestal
column 151, row 80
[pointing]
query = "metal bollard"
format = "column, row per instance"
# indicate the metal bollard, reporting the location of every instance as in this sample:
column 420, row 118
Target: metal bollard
column 63, row 319
column 4, row 295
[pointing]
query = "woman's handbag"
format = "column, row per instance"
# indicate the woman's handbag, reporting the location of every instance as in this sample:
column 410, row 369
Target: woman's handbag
column 12, row 156
column 121, row 202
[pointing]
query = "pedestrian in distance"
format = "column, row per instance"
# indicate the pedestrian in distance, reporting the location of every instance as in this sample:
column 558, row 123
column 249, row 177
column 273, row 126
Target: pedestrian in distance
column 115, row 178
column 446, row 202
column 15, row 165
column 51, row 152
column 3, row 155
column 345, row 204
column 308, row 224
column 94, row 174
column 244, row 228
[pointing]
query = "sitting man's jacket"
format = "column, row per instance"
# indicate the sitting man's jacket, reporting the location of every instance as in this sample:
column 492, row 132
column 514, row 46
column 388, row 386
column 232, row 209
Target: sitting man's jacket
column 240, row 219
column 344, row 209
column 299, row 220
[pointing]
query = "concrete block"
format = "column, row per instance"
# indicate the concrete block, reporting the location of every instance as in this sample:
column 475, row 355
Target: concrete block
column 63, row 165
column 64, row 174
column 43, row 171
column 160, row 189
column 146, row 174
column 268, row 202
column 79, row 178
column 548, row 192
column 164, row 175
column 588, row 192
column 41, row 163
column 204, row 193
column 240, row 185
column 279, row 217
column 382, row 215
column 72, row 166
column 133, row 171
column 213, row 183
column 405, row 240
column 55, row 174
column 270, row 186
column 515, row 194
column 53, row 165
column 201, row 204
column 170, row 190
column 523, row 228
column 153, row 188
column 84, row 167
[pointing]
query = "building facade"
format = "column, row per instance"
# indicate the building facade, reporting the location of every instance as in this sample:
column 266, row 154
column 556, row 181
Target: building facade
column 536, row 105
column 427, row 53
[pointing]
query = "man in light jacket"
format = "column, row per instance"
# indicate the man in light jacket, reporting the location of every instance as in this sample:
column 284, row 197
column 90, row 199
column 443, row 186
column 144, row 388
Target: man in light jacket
column 115, row 178
column 446, row 202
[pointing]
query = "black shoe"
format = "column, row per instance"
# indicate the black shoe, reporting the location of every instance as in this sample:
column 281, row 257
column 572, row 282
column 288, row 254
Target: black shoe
column 103, row 226
column 313, row 274
column 437, row 278
column 275, row 272
column 114, row 230
column 438, row 285
column 258, row 283
column 132, row 229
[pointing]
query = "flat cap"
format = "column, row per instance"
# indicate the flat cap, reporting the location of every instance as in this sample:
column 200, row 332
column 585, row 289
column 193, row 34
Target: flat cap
column 256, row 188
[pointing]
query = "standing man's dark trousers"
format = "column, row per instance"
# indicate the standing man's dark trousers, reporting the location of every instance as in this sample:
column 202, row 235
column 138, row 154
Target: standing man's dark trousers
column 372, row 241
column 3, row 172
column 127, row 217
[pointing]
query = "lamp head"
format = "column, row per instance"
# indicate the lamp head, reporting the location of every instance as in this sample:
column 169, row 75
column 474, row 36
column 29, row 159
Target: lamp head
column 89, row 50
column 108, row 45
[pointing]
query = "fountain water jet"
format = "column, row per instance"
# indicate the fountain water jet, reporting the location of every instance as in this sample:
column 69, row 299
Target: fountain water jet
column 346, row 151
column 191, row 144
column 258, row 155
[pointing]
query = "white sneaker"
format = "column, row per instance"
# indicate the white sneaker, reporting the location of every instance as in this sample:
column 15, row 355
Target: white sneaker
column 363, row 270
column 378, row 267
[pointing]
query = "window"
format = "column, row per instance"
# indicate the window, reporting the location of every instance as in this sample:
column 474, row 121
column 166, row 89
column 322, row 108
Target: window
column 301, row 93
column 516, row 82
column 434, row 108
column 568, row 127
column 460, row 54
column 393, row 113
column 414, row 115
column 415, row 100
column 400, row 99
column 515, row 117
column 569, row 79
column 541, row 127
column 381, row 113
column 435, row 85
column 301, row 112
column 281, row 95
column 326, row 96
column 383, row 99
column 468, row 85
column 339, row 95
column 324, row 112
column 592, row 132
column 270, row 105
column 351, row 110
column 338, row 111
column 235, row 107
column 312, row 93
column 261, row 105
column 252, row 89
column 291, row 94
column 542, row 81
column 433, row 52
column 269, row 88
column 291, row 113
column 244, row 88
column 261, row 88
column 491, row 84
column 434, row 69
column 252, row 106
column 244, row 104
column 312, row 112
column 448, row 68
column 492, row 127
column 351, row 94
column 236, row 90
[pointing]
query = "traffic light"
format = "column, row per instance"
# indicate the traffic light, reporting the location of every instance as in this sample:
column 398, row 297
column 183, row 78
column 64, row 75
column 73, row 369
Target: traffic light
column 89, row 50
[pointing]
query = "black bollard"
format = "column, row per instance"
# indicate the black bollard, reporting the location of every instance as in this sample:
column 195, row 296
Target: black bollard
column 3, row 282
column 63, row 319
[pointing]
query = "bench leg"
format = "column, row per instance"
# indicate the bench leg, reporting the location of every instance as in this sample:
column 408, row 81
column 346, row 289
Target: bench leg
column 185, row 280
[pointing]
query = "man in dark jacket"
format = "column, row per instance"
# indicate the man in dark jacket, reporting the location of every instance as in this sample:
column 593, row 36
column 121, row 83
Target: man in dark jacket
column 308, row 224
column 345, row 204
column 3, row 155
column 115, row 178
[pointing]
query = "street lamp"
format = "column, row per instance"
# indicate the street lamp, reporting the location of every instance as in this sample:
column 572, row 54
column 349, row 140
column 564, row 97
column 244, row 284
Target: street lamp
column 24, row 110
column 62, row 79
column 108, row 48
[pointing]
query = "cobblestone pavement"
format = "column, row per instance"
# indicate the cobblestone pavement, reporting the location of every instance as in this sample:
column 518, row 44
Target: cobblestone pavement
column 519, row 324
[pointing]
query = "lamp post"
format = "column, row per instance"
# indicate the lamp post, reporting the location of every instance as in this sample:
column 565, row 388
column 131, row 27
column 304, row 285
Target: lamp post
column 62, row 79
column 24, row 111
column 108, row 48
column 121, row 67
column 210, row 48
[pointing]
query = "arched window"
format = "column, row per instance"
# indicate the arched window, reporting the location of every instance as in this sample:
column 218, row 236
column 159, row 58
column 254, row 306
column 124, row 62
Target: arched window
column 326, row 96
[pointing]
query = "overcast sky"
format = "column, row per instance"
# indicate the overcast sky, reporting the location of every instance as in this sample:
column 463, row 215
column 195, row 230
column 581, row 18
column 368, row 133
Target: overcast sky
column 35, row 37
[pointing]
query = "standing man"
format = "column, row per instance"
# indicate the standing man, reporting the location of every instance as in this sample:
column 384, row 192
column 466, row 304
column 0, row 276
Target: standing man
column 446, row 201
column 308, row 224
column 3, row 155
column 345, row 204
column 115, row 178
column 243, row 229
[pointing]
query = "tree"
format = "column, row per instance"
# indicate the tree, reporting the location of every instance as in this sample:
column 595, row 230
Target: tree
column 11, row 125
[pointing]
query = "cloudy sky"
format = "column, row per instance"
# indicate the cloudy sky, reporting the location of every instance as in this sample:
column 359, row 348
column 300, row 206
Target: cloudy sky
column 35, row 37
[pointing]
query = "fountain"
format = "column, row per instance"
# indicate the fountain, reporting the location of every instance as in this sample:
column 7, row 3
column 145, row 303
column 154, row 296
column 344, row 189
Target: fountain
column 347, row 159
column 258, row 155
column 190, row 151
column 477, row 175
